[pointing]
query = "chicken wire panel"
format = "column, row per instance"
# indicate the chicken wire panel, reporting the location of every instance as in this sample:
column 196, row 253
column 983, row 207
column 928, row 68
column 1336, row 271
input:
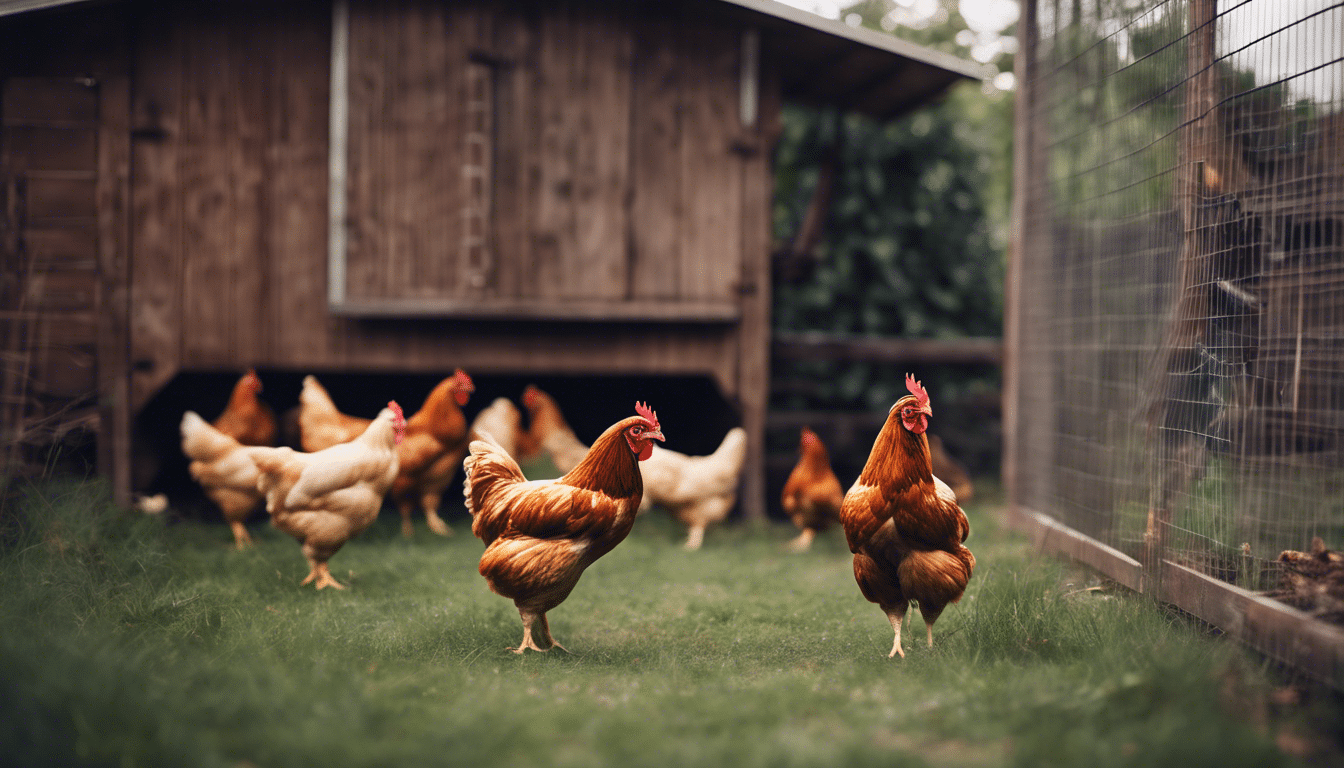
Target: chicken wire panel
column 1182, row 279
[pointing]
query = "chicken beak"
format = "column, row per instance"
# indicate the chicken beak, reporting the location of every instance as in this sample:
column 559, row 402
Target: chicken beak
column 654, row 435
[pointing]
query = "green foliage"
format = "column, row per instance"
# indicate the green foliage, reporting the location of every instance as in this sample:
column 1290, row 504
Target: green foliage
column 913, row 246
column 910, row 249
column 130, row 644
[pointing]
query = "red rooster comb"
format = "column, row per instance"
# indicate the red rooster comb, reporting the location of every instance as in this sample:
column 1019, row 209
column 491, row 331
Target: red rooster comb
column 646, row 412
column 463, row 381
column 253, row 379
column 398, row 422
column 916, row 389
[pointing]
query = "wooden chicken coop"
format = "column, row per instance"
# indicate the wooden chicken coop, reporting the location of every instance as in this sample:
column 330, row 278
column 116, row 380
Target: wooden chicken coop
column 1174, row 413
column 411, row 186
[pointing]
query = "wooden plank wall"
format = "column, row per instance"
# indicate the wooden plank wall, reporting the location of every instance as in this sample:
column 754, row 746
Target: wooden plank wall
column 230, row 121
column 231, row 140
column 77, row 66
column 623, row 165
column 618, row 180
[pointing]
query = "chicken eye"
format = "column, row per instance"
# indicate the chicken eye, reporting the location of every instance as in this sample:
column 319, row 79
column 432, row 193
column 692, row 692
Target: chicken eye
column 637, row 430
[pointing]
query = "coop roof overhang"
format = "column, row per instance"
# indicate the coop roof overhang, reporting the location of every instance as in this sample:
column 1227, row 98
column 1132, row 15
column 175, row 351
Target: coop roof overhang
column 824, row 62
column 821, row 61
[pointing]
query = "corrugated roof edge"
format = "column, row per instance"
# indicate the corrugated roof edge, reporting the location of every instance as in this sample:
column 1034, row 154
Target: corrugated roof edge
column 769, row 8
column 11, row 7
column 863, row 36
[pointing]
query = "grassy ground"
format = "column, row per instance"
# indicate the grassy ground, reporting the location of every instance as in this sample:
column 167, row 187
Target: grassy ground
column 126, row 642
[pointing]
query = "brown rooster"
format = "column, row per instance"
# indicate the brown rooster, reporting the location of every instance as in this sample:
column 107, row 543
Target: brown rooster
column 325, row 498
column 435, row 442
column 812, row 494
column 903, row 524
column 247, row 419
column 540, row 535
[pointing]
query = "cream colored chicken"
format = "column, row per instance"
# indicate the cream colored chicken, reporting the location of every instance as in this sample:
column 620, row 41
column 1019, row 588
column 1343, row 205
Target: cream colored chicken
column 325, row 498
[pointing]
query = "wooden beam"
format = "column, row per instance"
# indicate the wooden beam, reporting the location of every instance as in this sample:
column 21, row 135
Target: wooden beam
column 753, row 334
column 1024, row 71
column 1269, row 626
column 1051, row 536
column 822, row 346
column 502, row 309
column 114, row 370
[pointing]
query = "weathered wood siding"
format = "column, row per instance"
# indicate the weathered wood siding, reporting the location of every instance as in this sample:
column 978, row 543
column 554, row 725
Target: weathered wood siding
column 619, row 167
column 229, row 199
column 619, row 180
column 627, row 229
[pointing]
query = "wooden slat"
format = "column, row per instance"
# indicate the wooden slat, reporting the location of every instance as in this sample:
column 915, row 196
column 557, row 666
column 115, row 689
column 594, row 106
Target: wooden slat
column 1271, row 627
column 63, row 290
column 600, row 265
column 49, row 100
column 156, row 207
column 63, row 247
column 753, row 390
column 70, row 329
column 1049, row 535
column 582, row 97
column 517, row 137
column 712, row 175
column 61, row 198
column 65, row 149
column 296, row 238
column 657, row 210
column 66, row 372
column 654, row 311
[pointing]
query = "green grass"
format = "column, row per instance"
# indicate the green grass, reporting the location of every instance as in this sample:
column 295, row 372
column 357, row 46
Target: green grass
column 125, row 642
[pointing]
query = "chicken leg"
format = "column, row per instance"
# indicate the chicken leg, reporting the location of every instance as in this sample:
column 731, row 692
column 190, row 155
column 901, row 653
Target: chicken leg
column 930, row 614
column 528, row 618
column 695, row 537
column 803, row 542
column 432, row 519
column 896, row 616
column 241, row 538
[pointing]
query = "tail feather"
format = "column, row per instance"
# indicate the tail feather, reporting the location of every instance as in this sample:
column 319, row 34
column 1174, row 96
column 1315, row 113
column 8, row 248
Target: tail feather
column 733, row 448
column 201, row 441
column 314, row 396
column 487, row 465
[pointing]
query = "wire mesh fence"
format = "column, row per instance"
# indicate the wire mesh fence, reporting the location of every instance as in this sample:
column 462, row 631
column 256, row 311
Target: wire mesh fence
column 1179, row 290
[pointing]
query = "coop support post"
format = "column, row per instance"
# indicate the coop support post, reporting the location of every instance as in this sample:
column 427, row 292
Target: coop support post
column 1026, row 447
column 114, row 195
column 1177, row 454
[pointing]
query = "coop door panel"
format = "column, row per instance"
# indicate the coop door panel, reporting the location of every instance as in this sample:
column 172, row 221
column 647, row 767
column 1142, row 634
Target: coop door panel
column 49, row 168
column 490, row 167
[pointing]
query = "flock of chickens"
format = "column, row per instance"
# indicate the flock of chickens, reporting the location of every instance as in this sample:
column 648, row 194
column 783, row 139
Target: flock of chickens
column 902, row 523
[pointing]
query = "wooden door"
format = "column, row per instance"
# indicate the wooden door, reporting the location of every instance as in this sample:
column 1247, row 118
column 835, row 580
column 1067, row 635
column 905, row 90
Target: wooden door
column 49, row 294
column 538, row 164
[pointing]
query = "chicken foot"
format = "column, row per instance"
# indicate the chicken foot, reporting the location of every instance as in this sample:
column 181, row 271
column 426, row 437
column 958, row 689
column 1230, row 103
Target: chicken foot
column 318, row 572
column 804, row 541
column 896, row 616
column 528, row 618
